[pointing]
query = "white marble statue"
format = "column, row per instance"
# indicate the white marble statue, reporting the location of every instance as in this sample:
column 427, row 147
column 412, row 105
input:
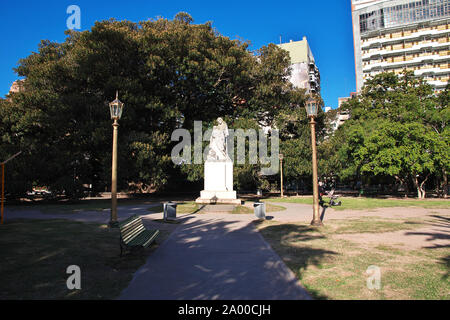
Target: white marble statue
column 218, row 169
column 218, row 142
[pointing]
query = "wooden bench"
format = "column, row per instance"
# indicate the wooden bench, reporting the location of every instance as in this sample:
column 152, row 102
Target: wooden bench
column 133, row 234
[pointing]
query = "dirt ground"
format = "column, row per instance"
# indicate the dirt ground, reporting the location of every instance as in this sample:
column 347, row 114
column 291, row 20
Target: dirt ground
column 434, row 234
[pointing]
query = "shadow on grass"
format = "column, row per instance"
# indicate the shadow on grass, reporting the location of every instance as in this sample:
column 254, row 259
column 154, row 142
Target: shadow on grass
column 289, row 241
column 438, row 235
column 443, row 222
column 36, row 253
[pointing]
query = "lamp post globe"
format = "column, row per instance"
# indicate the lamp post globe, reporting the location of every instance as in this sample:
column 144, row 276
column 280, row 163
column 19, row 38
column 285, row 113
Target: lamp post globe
column 312, row 107
column 116, row 108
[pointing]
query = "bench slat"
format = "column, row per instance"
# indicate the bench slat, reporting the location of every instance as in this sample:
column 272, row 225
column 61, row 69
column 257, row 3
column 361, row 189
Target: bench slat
column 130, row 227
column 134, row 234
column 130, row 223
column 145, row 238
column 133, row 219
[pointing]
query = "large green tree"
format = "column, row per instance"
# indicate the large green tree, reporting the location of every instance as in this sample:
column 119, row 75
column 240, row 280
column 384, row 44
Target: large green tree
column 398, row 128
column 168, row 73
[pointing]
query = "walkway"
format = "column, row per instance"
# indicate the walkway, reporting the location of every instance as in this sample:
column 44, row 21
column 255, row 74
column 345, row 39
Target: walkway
column 207, row 256
column 214, row 257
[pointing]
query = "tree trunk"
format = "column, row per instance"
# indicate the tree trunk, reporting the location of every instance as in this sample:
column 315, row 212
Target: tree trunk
column 420, row 186
column 416, row 185
column 403, row 183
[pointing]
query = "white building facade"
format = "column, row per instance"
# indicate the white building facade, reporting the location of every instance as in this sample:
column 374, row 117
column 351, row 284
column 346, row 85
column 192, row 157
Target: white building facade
column 393, row 35
column 305, row 73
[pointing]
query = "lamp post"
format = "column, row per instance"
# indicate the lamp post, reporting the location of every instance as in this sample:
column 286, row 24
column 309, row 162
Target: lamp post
column 281, row 173
column 311, row 110
column 116, row 109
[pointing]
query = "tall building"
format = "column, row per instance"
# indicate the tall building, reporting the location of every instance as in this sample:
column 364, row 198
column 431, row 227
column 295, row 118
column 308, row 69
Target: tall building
column 305, row 73
column 393, row 35
column 345, row 99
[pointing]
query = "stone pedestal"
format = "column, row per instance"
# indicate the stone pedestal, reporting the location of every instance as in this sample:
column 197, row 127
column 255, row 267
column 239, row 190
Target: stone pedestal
column 218, row 183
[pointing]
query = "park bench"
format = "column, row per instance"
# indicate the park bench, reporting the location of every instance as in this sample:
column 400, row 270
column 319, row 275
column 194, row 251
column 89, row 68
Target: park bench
column 133, row 234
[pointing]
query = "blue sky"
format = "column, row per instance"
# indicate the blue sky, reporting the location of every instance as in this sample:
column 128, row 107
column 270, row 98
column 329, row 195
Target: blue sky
column 327, row 25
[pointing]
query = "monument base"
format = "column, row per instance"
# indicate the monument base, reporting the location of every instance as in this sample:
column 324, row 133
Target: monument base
column 218, row 184
column 219, row 197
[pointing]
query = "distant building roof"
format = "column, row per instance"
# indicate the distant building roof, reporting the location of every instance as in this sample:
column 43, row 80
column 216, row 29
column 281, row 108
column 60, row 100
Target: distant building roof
column 299, row 51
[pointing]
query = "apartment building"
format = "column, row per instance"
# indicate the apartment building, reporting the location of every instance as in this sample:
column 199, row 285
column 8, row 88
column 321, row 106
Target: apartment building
column 305, row 73
column 393, row 35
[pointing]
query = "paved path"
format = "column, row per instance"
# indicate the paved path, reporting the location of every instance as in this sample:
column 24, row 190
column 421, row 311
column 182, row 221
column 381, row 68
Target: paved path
column 214, row 258
column 208, row 256
column 100, row 216
column 217, row 256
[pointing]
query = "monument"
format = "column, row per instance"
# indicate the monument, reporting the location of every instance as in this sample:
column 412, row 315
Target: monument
column 218, row 169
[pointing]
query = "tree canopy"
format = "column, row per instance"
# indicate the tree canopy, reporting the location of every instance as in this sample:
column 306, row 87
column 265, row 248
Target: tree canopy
column 168, row 73
column 398, row 128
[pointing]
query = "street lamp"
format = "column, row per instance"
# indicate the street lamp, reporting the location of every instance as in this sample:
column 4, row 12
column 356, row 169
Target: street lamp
column 116, row 109
column 281, row 173
column 312, row 107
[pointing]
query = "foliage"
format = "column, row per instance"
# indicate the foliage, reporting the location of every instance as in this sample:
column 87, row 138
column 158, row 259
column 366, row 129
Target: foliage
column 398, row 128
column 168, row 73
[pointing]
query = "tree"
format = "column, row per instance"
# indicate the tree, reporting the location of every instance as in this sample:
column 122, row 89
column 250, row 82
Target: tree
column 398, row 128
column 404, row 151
column 168, row 73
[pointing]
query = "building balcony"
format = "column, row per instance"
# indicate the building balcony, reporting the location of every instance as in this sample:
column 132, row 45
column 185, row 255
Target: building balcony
column 434, row 70
column 414, row 36
column 415, row 61
column 417, row 47
column 438, row 83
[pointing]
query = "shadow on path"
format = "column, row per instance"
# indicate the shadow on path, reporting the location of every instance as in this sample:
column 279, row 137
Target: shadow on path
column 214, row 259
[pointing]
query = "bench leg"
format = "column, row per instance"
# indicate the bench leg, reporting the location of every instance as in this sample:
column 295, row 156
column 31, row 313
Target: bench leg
column 121, row 247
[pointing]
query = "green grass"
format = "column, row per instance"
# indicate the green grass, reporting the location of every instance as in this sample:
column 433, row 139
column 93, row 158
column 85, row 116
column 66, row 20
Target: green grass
column 35, row 255
column 371, row 225
column 349, row 203
column 250, row 210
column 182, row 208
column 193, row 207
column 270, row 207
column 242, row 210
column 332, row 268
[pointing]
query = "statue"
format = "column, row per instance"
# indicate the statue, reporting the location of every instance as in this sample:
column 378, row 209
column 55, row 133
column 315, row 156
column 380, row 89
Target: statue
column 218, row 142
column 218, row 169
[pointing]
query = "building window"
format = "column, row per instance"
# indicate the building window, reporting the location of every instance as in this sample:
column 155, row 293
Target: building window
column 404, row 14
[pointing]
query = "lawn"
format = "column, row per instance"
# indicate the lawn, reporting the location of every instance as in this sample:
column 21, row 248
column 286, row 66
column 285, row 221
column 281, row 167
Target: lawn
column 193, row 207
column 182, row 208
column 349, row 203
column 331, row 267
column 36, row 253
